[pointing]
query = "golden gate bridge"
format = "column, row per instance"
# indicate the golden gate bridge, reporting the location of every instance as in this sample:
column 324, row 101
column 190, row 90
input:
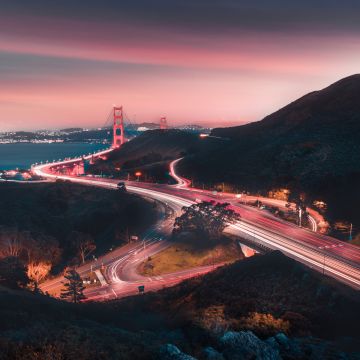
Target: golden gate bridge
column 116, row 118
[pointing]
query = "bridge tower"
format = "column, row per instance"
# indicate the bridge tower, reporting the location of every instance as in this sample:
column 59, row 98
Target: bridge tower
column 163, row 123
column 78, row 168
column 118, row 127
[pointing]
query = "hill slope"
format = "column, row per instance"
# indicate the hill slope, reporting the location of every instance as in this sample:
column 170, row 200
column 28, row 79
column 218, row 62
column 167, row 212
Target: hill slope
column 310, row 145
column 61, row 210
column 266, row 294
column 338, row 102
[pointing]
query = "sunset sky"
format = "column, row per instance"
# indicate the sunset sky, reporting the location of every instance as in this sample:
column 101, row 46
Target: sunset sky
column 216, row 62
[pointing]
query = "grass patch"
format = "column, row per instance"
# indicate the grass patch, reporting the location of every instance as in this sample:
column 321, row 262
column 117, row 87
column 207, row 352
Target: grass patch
column 188, row 253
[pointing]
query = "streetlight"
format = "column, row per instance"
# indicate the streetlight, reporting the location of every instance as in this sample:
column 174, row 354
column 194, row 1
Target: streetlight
column 138, row 174
column 144, row 248
column 327, row 247
column 350, row 232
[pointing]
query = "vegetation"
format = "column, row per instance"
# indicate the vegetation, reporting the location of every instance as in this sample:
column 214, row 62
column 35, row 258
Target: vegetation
column 85, row 245
column 45, row 227
column 12, row 273
column 73, row 289
column 198, row 240
column 206, row 219
column 270, row 289
column 356, row 240
column 266, row 294
column 189, row 252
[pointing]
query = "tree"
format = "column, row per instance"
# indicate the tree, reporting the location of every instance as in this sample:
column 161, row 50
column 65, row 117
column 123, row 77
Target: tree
column 10, row 242
column 42, row 252
column 73, row 288
column 37, row 271
column 207, row 218
column 122, row 235
column 41, row 248
column 12, row 273
column 85, row 245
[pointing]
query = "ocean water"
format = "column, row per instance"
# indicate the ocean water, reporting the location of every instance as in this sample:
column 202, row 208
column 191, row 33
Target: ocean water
column 22, row 155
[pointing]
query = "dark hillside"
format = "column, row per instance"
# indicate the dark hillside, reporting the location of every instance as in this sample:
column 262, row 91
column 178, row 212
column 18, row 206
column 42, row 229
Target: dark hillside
column 324, row 108
column 312, row 146
column 268, row 295
column 150, row 153
column 302, row 300
column 61, row 210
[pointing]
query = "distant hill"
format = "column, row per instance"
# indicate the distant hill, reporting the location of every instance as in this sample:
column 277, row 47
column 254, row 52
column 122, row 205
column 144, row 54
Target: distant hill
column 150, row 152
column 311, row 145
column 333, row 106
column 70, row 130
column 148, row 125
column 169, row 144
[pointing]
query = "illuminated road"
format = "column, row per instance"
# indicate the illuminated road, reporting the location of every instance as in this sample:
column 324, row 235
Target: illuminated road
column 325, row 254
column 119, row 266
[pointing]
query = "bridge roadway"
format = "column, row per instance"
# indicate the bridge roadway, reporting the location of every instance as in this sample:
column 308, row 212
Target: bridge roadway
column 327, row 255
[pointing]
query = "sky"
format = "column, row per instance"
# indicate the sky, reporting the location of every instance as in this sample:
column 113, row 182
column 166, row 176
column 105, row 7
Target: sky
column 214, row 62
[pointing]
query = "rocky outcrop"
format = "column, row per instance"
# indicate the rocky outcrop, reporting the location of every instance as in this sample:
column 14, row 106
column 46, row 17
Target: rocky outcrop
column 209, row 353
column 171, row 352
column 245, row 345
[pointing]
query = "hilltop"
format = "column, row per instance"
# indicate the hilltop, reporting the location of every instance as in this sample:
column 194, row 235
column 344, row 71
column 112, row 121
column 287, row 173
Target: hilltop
column 337, row 102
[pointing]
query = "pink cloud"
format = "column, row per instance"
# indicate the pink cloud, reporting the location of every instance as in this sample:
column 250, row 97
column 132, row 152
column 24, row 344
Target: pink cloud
column 214, row 78
column 136, row 44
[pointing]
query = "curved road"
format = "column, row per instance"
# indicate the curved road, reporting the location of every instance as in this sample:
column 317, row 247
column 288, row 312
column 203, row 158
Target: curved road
column 322, row 253
column 119, row 266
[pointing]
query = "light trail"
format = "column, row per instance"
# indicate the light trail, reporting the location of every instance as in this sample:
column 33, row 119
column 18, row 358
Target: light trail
column 336, row 259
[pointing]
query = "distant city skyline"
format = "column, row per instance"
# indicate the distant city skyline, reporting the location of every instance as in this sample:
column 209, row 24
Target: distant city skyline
column 108, row 126
column 214, row 63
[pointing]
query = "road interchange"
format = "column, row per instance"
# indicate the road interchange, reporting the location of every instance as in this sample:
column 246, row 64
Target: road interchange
column 327, row 255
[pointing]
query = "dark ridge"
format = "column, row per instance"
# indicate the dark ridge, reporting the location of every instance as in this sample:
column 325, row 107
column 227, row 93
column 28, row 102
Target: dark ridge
column 310, row 146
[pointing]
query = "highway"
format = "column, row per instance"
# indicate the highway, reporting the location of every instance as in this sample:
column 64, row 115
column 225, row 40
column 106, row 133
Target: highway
column 327, row 255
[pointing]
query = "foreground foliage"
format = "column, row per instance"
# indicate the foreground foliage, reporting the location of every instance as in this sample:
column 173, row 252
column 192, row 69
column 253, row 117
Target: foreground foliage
column 73, row 287
column 269, row 295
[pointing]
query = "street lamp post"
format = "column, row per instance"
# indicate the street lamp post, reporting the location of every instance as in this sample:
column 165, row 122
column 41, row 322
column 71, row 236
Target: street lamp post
column 350, row 232
column 144, row 248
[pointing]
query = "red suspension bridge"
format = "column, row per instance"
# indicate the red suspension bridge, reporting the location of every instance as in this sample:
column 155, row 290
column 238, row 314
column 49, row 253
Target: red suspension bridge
column 118, row 120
